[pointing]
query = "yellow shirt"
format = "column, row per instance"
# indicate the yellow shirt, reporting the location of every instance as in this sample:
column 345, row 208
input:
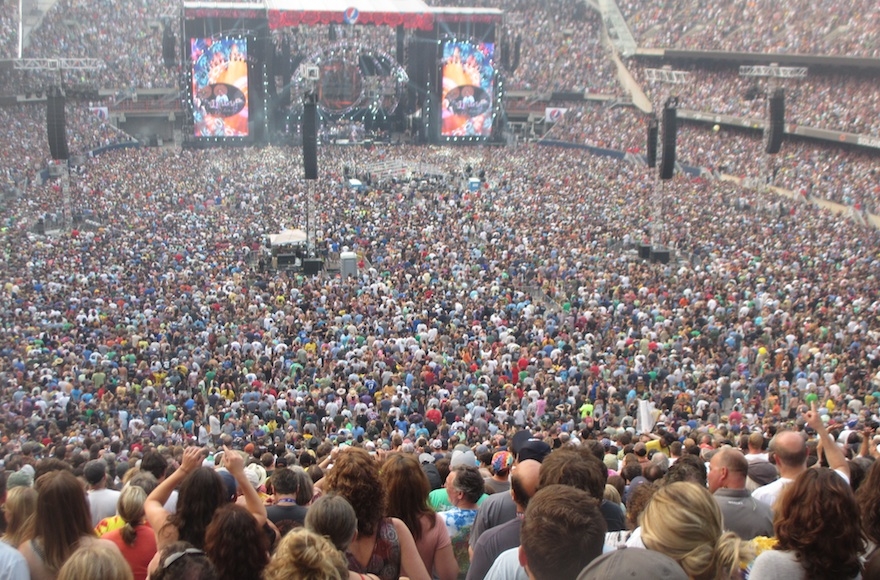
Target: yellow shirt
column 109, row 524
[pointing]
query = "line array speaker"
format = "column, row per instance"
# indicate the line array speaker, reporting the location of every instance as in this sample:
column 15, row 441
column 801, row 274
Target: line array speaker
column 777, row 122
column 169, row 48
column 670, row 128
column 56, row 125
column 310, row 139
column 652, row 143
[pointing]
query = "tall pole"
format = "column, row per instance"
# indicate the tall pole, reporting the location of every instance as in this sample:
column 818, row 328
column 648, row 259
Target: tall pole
column 20, row 26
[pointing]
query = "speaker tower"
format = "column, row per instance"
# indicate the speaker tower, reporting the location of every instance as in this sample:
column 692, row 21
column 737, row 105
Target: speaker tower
column 310, row 137
column 670, row 128
column 776, row 129
column 652, row 143
column 56, row 125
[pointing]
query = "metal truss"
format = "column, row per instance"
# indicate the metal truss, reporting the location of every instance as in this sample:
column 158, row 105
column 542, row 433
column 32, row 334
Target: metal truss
column 56, row 64
column 781, row 72
column 673, row 77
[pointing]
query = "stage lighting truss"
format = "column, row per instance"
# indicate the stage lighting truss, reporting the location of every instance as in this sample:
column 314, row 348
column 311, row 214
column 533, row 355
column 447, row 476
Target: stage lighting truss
column 780, row 72
column 352, row 78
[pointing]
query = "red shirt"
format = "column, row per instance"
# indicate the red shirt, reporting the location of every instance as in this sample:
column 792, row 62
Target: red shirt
column 138, row 555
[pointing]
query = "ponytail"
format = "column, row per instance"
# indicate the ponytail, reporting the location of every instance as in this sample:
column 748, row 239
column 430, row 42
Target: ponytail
column 129, row 534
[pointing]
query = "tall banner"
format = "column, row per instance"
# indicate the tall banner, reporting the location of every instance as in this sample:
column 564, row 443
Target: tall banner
column 219, row 87
column 646, row 417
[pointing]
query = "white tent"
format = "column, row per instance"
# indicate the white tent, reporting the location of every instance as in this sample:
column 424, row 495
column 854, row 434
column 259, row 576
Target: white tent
column 288, row 238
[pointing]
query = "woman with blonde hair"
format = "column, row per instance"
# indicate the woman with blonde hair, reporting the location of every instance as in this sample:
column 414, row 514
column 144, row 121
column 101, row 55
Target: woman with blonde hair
column 683, row 521
column 304, row 555
column 19, row 510
column 96, row 561
column 332, row 517
column 135, row 539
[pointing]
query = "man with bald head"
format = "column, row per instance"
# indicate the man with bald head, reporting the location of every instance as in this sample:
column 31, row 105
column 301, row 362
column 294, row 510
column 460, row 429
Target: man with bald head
column 523, row 485
column 742, row 513
column 790, row 454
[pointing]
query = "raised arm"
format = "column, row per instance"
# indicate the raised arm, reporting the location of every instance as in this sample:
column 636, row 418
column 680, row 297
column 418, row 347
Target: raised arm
column 156, row 514
column 234, row 462
column 833, row 454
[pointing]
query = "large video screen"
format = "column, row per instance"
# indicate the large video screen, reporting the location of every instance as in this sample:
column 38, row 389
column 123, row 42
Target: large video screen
column 219, row 87
column 468, row 89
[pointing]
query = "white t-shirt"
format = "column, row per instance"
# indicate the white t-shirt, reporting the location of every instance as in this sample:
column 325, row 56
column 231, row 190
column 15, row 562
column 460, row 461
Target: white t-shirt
column 769, row 493
column 506, row 567
column 102, row 504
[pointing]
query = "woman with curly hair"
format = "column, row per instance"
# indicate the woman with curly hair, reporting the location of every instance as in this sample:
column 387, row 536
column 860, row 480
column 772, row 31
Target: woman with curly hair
column 236, row 545
column 683, row 521
column 868, row 500
column 384, row 546
column 407, row 488
column 818, row 531
column 304, row 555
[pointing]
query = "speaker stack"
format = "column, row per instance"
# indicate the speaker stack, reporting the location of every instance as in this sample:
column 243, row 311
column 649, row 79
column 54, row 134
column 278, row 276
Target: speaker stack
column 56, row 125
column 169, row 51
column 312, row 266
column 401, row 38
column 670, row 122
column 776, row 129
column 310, row 137
column 652, row 142
column 660, row 254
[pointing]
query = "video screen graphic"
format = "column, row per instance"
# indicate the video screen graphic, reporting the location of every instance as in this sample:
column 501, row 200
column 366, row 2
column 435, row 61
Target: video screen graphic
column 468, row 93
column 219, row 87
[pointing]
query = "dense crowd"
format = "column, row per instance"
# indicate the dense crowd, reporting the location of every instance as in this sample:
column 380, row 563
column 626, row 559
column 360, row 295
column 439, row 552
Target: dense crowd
column 824, row 101
column 513, row 326
column 129, row 40
column 807, row 168
column 27, row 148
column 796, row 26
column 561, row 49
column 8, row 29
column 503, row 390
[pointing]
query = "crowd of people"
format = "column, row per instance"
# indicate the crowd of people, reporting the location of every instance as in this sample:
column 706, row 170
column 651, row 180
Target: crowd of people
column 156, row 341
column 129, row 40
column 824, row 101
column 795, row 26
column 806, row 168
column 27, row 149
column 8, row 29
column 503, row 390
